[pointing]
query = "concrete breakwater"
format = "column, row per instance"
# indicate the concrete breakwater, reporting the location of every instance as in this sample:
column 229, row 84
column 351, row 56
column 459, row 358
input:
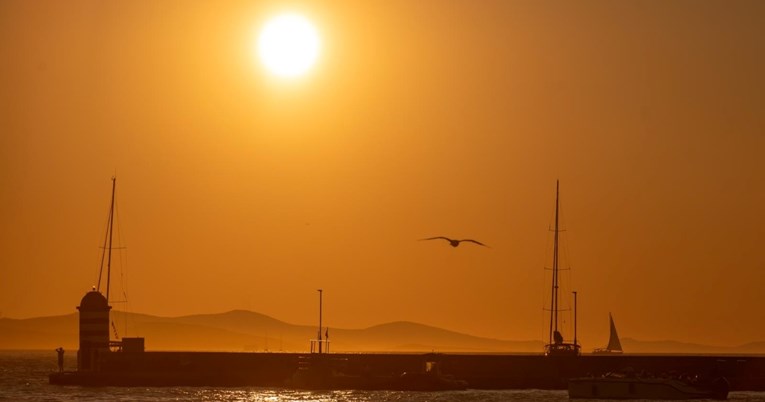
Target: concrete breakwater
column 480, row 371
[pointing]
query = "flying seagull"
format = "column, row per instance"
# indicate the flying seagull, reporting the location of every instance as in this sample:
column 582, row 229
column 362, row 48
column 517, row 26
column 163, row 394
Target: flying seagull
column 455, row 243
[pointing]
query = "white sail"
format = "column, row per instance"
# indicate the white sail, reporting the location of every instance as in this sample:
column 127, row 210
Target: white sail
column 613, row 339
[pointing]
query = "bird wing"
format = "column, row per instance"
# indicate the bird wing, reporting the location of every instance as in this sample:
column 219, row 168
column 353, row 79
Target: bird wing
column 438, row 237
column 475, row 241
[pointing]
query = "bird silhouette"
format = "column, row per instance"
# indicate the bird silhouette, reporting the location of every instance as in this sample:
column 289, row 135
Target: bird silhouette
column 455, row 243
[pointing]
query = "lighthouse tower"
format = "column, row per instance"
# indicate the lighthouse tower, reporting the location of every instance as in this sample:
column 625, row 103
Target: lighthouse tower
column 94, row 330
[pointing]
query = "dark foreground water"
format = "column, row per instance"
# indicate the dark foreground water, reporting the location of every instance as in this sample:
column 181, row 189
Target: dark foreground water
column 24, row 377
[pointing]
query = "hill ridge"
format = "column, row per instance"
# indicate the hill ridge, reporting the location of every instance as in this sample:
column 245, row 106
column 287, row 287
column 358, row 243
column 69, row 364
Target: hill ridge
column 239, row 329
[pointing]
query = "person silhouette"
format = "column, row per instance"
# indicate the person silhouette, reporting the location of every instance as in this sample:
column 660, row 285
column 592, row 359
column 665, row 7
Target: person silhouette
column 60, row 352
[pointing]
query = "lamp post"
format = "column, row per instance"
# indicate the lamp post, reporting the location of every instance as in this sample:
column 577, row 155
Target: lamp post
column 320, row 294
column 574, row 292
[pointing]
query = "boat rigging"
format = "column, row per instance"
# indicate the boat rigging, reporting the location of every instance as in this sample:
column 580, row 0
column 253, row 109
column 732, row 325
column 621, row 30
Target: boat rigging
column 557, row 346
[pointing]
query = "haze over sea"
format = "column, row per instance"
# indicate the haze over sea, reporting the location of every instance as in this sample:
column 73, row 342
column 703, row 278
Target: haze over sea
column 24, row 377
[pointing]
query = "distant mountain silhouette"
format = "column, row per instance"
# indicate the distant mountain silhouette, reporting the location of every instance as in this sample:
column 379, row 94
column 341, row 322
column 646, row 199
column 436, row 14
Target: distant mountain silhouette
column 752, row 347
column 234, row 320
column 240, row 330
column 245, row 330
column 405, row 335
column 39, row 333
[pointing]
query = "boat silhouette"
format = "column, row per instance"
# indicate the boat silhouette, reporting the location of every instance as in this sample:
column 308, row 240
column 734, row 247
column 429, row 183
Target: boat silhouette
column 629, row 385
column 557, row 345
column 614, row 345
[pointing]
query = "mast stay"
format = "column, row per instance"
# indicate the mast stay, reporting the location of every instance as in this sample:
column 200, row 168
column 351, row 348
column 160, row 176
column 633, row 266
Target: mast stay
column 108, row 240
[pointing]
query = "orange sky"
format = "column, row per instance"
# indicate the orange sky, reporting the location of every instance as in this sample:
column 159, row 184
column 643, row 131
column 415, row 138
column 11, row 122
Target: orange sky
column 240, row 191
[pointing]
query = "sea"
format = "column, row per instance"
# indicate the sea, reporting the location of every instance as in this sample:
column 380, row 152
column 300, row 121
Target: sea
column 24, row 377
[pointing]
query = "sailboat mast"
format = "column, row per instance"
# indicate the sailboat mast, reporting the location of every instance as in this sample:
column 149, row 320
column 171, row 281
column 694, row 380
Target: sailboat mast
column 111, row 231
column 554, row 298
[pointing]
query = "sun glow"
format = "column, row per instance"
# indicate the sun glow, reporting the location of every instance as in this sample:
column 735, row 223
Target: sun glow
column 288, row 45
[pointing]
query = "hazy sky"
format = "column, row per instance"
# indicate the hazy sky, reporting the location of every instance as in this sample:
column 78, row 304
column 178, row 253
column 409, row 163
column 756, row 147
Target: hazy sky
column 237, row 190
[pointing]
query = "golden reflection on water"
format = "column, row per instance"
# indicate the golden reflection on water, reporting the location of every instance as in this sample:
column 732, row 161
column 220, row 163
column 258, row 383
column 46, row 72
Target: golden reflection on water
column 283, row 395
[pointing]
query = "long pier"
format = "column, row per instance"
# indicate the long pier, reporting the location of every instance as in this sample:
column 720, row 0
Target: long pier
column 480, row 371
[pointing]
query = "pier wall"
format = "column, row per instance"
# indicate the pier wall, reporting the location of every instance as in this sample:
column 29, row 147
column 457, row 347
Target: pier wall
column 481, row 371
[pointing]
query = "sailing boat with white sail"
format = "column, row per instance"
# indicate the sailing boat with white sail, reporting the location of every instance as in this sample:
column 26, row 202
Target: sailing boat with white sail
column 614, row 345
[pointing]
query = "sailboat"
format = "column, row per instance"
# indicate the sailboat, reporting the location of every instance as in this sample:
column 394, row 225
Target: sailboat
column 614, row 346
column 557, row 345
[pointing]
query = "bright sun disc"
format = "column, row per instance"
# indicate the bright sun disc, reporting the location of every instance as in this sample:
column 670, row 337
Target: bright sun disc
column 288, row 45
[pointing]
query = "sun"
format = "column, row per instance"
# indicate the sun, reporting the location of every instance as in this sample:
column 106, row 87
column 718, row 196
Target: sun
column 288, row 45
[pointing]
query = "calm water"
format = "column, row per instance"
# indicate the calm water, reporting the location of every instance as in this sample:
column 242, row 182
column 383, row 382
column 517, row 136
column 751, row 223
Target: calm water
column 24, row 377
